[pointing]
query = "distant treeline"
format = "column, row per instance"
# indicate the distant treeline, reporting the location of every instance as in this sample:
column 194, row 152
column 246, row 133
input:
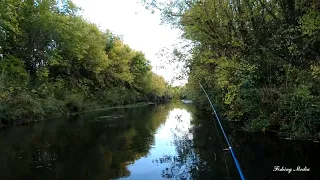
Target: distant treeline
column 53, row 62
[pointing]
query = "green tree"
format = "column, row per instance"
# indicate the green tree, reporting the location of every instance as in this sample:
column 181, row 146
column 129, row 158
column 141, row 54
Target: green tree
column 254, row 57
column 52, row 61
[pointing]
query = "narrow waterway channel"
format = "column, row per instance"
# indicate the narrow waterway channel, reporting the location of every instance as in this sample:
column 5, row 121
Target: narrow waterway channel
column 171, row 141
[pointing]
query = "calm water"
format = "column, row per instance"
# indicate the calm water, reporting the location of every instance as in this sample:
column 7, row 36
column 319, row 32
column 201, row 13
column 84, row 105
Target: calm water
column 172, row 141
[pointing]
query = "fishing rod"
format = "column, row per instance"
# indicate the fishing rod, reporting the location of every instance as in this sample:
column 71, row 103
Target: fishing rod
column 225, row 136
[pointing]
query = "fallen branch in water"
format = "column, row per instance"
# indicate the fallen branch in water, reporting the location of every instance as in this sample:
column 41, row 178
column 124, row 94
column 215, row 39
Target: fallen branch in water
column 107, row 118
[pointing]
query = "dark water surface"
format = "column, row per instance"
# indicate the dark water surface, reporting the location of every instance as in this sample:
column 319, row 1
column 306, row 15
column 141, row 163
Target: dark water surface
column 171, row 141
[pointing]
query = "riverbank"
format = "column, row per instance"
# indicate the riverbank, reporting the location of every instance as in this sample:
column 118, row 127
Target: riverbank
column 246, row 128
column 67, row 113
column 139, row 104
column 62, row 72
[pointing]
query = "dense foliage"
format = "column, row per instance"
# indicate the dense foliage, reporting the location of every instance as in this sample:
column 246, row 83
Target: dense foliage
column 54, row 62
column 259, row 59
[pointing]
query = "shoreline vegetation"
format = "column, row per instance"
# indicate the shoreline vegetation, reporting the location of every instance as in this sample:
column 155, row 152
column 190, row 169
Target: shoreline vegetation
column 258, row 60
column 28, row 121
column 55, row 63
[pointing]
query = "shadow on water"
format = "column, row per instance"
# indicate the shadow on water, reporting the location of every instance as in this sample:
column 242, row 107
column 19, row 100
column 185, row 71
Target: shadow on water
column 81, row 148
column 172, row 141
column 203, row 157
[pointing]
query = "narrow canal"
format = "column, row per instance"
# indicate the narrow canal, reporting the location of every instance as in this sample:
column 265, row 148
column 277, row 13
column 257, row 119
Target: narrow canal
column 171, row 141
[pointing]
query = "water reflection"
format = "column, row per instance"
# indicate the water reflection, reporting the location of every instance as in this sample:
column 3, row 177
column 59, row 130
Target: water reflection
column 80, row 148
column 164, row 153
column 172, row 141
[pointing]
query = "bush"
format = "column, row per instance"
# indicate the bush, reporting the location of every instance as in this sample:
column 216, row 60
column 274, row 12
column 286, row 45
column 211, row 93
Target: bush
column 300, row 112
column 74, row 103
column 259, row 124
column 5, row 113
column 52, row 106
column 91, row 105
column 24, row 106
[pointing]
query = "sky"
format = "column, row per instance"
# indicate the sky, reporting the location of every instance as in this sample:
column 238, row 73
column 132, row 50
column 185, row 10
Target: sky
column 140, row 29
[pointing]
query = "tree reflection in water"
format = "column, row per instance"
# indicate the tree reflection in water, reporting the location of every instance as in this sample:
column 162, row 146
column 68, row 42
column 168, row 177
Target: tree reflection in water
column 170, row 141
column 186, row 159
column 78, row 148
column 201, row 156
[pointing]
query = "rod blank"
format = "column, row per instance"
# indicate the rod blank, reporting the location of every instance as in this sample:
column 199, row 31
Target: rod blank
column 225, row 136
